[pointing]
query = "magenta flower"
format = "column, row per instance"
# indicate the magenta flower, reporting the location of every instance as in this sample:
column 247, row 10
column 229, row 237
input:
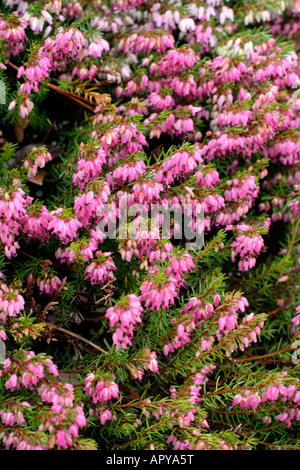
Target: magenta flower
column 63, row 226
column 100, row 269
column 126, row 314
column 100, row 390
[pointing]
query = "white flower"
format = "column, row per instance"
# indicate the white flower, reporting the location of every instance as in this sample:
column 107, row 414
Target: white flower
column 186, row 24
column 47, row 16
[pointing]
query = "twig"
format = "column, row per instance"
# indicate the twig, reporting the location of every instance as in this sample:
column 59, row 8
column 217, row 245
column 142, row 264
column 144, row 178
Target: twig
column 81, row 101
column 53, row 126
column 75, row 335
column 257, row 358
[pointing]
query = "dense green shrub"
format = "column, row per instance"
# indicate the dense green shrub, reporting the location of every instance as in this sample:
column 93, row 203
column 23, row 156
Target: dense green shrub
column 149, row 224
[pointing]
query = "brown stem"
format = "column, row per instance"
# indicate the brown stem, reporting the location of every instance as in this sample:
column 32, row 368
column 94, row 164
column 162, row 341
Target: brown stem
column 81, row 101
column 257, row 358
column 33, row 304
column 75, row 335
column 53, row 126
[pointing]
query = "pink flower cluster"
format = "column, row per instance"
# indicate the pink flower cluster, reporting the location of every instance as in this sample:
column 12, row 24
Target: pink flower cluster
column 37, row 158
column 63, row 48
column 90, row 204
column 177, row 166
column 247, row 247
column 11, row 302
column 145, row 43
column 100, row 389
column 157, row 295
column 229, row 100
column 182, row 337
column 122, row 139
column 12, row 208
column 296, row 320
column 26, row 105
column 63, row 225
column 35, row 73
column 174, row 61
column 289, row 394
column 48, row 285
column 125, row 314
column 99, row 270
column 89, row 167
column 191, row 388
column 146, row 360
column 27, row 373
column 35, row 222
column 12, row 414
column 199, row 311
column 12, row 33
column 63, row 419
column 126, row 172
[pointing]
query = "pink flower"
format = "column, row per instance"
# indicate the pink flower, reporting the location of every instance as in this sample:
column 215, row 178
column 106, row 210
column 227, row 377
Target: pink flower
column 37, row 158
column 126, row 314
column 157, row 295
column 89, row 204
column 63, row 226
column 100, row 390
column 105, row 416
column 176, row 60
column 80, row 417
column 152, row 364
column 11, row 302
column 100, row 269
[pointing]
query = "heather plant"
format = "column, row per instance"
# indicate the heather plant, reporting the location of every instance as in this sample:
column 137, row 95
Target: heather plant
column 149, row 225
